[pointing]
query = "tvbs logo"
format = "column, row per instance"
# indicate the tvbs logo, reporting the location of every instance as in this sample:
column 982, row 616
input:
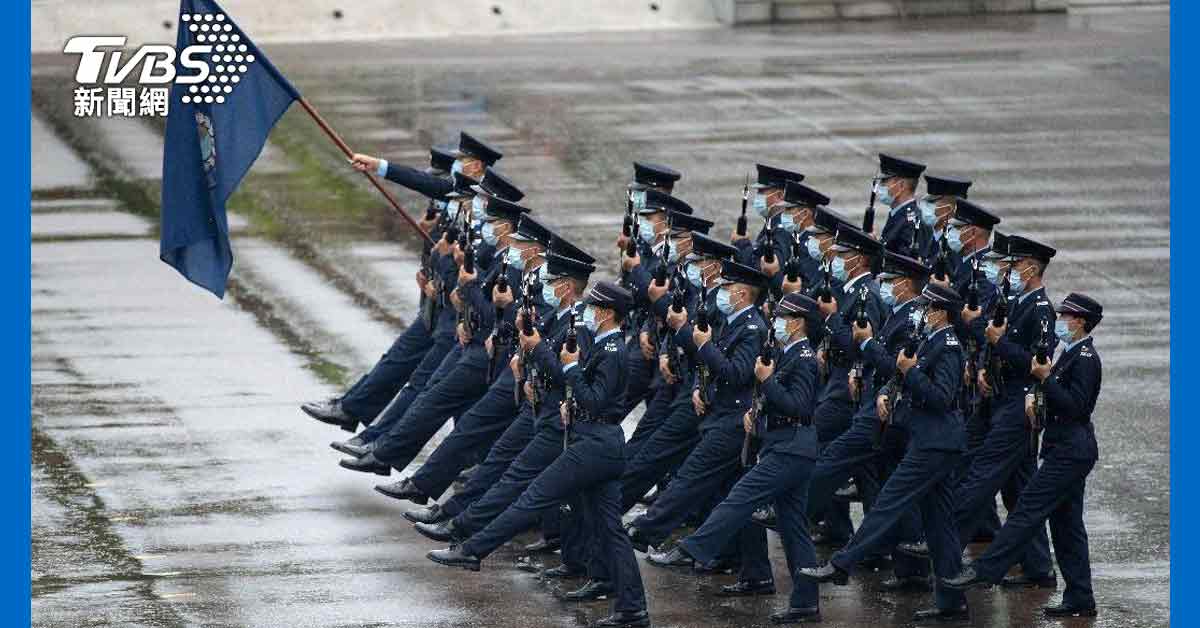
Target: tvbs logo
column 211, row 65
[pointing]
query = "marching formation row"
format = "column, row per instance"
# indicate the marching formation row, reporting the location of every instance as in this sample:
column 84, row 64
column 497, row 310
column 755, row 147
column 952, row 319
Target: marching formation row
column 783, row 374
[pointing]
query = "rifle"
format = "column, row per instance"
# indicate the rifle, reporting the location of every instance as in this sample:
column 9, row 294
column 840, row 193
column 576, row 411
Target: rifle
column 894, row 386
column 941, row 267
column 668, row 339
column 703, row 375
column 660, row 280
column 869, row 215
column 571, row 345
column 630, row 244
column 768, row 247
column 793, row 263
column 993, row 362
column 529, row 373
column 861, row 321
column 767, row 355
column 741, row 221
column 969, row 339
column 627, row 223
column 428, row 306
column 500, row 332
column 824, row 292
column 914, row 250
column 1042, row 355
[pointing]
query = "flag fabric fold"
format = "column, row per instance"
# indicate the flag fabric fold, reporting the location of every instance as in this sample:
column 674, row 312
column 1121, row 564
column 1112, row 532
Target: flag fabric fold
column 215, row 131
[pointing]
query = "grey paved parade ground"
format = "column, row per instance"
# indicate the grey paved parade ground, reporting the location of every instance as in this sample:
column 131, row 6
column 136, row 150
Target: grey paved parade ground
column 175, row 480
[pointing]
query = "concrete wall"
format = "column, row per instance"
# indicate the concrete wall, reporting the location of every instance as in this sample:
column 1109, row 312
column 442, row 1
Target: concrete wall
column 54, row 21
column 763, row 11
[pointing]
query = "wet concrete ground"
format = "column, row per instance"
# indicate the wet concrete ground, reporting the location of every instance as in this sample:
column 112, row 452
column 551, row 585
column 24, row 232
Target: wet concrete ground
column 175, row 483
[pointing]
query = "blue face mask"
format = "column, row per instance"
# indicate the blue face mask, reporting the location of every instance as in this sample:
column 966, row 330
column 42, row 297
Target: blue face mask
column 883, row 194
column 589, row 319
column 887, row 293
column 760, row 204
column 954, row 239
column 639, row 199
column 646, row 231
column 439, row 205
column 838, row 267
column 780, row 328
column 1017, row 282
column 549, row 296
column 1062, row 331
column 478, row 204
column 928, row 211
column 814, row 249
column 787, row 222
column 488, row 233
column 457, row 167
column 514, row 258
column 991, row 270
column 695, row 277
column 724, row 302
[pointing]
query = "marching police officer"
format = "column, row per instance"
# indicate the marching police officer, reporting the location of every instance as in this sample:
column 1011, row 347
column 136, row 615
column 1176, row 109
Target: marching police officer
column 925, row 393
column 896, row 187
column 1067, row 393
column 588, row 471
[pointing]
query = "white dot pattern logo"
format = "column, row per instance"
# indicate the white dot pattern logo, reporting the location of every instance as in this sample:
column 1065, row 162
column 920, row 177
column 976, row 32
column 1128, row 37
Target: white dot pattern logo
column 228, row 60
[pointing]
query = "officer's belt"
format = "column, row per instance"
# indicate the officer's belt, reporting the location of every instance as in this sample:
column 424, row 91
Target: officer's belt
column 778, row 423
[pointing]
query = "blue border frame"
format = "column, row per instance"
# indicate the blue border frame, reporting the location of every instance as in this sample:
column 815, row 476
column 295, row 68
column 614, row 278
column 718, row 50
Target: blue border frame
column 1184, row 431
column 14, row 260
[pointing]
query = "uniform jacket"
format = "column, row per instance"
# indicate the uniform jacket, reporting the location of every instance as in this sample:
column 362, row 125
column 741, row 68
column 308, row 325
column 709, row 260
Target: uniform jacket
column 928, row 406
column 550, row 371
column 729, row 356
column 751, row 253
column 1071, row 391
column 432, row 186
column 879, row 354
column 841, row 344
column 791, row 391
column 598, row 382
column 1025, row 322
column 897, row 234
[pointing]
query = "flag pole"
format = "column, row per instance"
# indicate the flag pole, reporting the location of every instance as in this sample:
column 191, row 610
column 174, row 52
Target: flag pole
column 337, row 139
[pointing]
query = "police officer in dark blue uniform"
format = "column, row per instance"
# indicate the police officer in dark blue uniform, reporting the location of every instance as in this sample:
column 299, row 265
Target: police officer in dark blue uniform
column 936, row 207
column 896, row 188
column 1008, row 457
column 1068, row 392
column 729, row 356
column 368, row 396
column 782, row 418
column 587, row 472
column 925, row 395
column 784, row 236
column 767, row 194
column 866, row 450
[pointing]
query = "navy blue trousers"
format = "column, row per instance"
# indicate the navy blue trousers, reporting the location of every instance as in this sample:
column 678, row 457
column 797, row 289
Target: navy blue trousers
column 368, row 396
column 853, row 450
column 1004, row 463
column 542, row 450
column 978, row 427
column 437, row 363
column 710, row 469
column 779, row 477
column 663, row 451
column 832, row 418
column 511, row 443
column 587, row 474
column 473, row 435
column 1054, row 493
column 657, row 411
column 452, row 396
column 922, row 479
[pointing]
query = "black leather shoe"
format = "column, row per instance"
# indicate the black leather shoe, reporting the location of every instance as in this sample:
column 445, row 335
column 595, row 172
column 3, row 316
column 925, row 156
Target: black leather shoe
column 674, row 558
column 405, row 490
column 718, row 566
column 766, row 517
column 1065, row 610
column 354, row 447
column 544, row 546
column 640, row 619
column 941, row 615
column 810, row 614
column 443, row 532
column 563, row 571
column 828, row 572
column 747, row 588
column 847, row 494
column 529, row 564
column 591, row 591
column 637, row 539
column 967, row 578
column 432, row 514
column 1043, row 581
column 901, row 584
column 453, row 556
column 330, row 411
column 919, row 549
column 367, row 464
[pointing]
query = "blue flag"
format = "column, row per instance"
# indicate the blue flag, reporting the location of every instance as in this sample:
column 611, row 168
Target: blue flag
column 215, row 131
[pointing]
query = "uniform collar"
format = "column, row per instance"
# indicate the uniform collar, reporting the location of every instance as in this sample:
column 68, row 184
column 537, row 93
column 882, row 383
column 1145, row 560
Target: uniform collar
column 902, row 206
column 606, row 334
column 738, row 313
column 792, row 344
column 1025, row 297
column 979, row 253
column 849, row 285
column 563, row 312
column 902, row 305
column 1077, row 343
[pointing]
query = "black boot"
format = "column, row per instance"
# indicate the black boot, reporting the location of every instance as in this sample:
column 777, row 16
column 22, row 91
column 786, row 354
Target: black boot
column 431, row 515
column 367, row 464
column 404, row 490
column 591, row 591
column 967, row 578
column 330, row 411
column 828, row 572
column 748, row 588
column 918, row 549
column 674, row 558
column 453, row 556
column 899, row 584
column 1042, row 581
column 356, row 447
column 811, row 614
column 444, row 532
column 544, row 546
column 1067, row 610
column 941, row 615
column 639, row 619
column 564, row 571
